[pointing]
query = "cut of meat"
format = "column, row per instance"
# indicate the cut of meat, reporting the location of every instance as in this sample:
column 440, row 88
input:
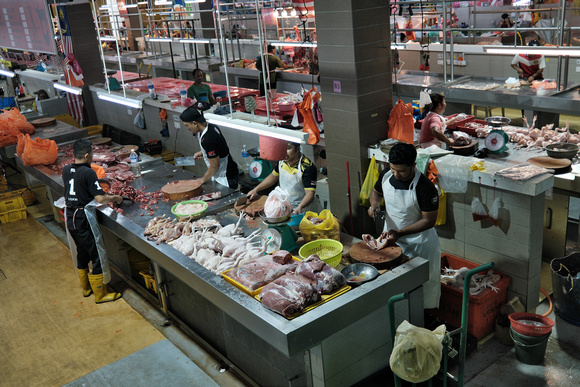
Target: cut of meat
column 181, row 189
column 282, row 257
column 325, row 277
column 374, row 244
column 289, row 294
column 259, row 272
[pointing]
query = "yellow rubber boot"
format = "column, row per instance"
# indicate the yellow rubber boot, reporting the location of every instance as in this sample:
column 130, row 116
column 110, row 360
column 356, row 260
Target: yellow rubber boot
column 85, row 284
column 100, row 289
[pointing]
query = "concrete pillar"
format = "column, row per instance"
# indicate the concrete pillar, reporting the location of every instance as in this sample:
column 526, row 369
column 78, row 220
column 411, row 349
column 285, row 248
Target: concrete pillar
column 355, row 75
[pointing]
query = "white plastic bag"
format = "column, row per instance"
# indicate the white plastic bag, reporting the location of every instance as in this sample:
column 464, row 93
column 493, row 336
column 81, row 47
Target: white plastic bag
column 277, row 204
column 417, row 352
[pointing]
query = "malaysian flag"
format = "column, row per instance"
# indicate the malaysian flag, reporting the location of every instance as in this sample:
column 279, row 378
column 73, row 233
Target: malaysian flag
column 75, row 102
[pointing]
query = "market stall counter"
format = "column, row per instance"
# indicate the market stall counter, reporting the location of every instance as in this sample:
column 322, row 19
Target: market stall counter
column 325, row 346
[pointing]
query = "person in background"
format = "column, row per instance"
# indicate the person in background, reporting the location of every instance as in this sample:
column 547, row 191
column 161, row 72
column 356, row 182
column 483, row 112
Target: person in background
column 214, row 149
column 272, row 62
column 411, row 204
column 296, row 174
column 505, row 22
column 200, row 91
column 434, row 124
column 81, row 186
column 41, row 94
column 530, row 67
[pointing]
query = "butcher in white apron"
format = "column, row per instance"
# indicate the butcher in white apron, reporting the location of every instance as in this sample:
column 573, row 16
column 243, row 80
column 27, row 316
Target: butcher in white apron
column 297, row 175
column 215, row 152
column 83, row 194
column 406, row 223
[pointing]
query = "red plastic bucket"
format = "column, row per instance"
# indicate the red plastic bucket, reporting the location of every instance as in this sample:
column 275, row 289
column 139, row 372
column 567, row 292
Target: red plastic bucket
column 272, row 148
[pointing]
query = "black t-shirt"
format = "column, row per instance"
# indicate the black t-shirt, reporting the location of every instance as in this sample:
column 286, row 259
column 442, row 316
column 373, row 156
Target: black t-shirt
column 215, row 145
column 80, row 188
column 427, row 195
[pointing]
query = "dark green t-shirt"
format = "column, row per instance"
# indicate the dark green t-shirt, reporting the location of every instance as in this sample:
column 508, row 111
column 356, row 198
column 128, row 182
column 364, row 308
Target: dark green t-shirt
column 273, row 63
column 200, row 93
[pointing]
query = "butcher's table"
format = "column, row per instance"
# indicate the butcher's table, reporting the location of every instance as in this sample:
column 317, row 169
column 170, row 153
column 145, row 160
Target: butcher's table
column 340, row 342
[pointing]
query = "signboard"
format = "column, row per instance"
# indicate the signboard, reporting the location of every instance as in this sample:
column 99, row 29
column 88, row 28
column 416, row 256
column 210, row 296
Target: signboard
column 25, row 25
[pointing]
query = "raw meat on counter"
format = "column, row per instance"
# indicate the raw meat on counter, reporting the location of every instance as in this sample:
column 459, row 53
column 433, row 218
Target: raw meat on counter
column 325, row 277
column 461, row 139
column 374, row 244
column 260, row 272
column 282, row 257
column 289, row 294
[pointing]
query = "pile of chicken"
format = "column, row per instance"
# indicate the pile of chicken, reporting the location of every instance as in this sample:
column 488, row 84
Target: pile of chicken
column 217, row 249
column 531, row 137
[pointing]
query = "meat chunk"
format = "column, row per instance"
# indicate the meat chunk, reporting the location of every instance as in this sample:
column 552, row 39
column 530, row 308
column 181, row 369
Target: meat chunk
column 374, row 244
column 259, row 272
column 324, row 277
column 282, row 257
column 289, row 294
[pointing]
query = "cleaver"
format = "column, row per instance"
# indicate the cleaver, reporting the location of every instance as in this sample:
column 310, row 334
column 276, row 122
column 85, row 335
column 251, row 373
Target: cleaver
column 184, row 161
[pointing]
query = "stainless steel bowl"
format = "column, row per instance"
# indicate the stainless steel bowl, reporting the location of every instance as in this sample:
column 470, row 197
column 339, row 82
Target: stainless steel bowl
column 562, row 150
column 498, row 121
column 281, row 219
column 359, row 273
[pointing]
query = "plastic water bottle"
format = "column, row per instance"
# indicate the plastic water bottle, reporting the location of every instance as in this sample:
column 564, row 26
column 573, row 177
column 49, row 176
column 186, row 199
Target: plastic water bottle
column 183, row 93
column 245, row 160
column 135, row 166
column 151, row 88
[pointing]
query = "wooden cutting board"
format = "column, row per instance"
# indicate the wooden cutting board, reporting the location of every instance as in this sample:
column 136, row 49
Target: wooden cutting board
column 386, row 258
column 101, row 141
column 181, row 189
column 252, row 208
column 43, row 122
column 558, row 165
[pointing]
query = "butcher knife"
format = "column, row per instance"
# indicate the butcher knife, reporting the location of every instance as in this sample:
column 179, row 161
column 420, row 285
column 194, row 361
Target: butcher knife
column 184, row 161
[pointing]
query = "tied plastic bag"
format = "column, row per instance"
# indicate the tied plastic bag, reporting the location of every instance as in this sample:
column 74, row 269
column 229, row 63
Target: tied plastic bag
column 139, row 120
column 277, row 205
column 315, row 226
column 417, row 352
column 13, row 119
column 442, row 210
column 401, row 124
column 478, row 211
column 370, row 180
column 37, row 151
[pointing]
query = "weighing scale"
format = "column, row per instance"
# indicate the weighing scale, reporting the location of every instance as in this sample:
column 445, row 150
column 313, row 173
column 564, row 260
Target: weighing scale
column 259, row 169
column 279, row 235
column 496, row 141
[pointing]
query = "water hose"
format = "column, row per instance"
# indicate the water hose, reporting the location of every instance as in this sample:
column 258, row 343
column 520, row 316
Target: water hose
column 549, row 300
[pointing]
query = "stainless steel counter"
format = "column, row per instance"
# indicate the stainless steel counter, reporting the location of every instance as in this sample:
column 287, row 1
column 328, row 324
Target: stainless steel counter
column 227, row 310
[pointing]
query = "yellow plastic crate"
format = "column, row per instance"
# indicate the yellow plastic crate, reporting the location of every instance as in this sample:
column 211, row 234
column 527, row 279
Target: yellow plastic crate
column 12, row 204
column 149, row 280
column 94, row 130
column 25, row 193
column 3, row 184
column 12, row 216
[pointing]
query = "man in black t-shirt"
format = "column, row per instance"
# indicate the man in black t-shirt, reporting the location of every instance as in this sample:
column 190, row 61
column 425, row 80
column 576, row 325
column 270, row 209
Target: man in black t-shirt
column 81, row 186
column 411, row 204
column 214, row 149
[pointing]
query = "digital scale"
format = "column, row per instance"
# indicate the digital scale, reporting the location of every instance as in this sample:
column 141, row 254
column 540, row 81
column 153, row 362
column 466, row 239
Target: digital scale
column 279, row 235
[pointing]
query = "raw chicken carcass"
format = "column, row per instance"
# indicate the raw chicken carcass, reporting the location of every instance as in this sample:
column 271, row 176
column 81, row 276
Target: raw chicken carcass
column 374, row 244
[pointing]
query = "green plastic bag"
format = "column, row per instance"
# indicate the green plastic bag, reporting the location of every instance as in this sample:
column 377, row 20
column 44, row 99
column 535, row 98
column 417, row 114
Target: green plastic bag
column 370, row 180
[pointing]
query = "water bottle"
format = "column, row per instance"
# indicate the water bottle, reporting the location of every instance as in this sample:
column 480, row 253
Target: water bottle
column 245, row 160
column 135, row 166
column 151, row 88
column 183, row 93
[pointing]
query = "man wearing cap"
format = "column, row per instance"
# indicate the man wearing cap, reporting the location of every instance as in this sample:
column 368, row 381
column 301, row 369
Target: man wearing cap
column 214, row 149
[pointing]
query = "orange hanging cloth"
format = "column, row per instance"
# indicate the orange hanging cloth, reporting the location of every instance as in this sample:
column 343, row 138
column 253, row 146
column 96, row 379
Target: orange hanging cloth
column 305, row 109
column 401, row 124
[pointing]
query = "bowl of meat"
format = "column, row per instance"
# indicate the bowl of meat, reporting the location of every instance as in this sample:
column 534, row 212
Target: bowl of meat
column 562, row 150
column 194, row 209
column 359, row 273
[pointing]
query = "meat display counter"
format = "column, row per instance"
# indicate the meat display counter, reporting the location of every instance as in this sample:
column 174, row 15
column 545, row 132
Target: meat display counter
column 341, row 341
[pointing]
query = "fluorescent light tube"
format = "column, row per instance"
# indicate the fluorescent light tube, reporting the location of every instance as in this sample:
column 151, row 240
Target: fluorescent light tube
column 194, row 41
column 7, row 73
column 120, row 100
column 254, row 127
column 194, row 1
column 132, row 5
column 108, row 39
column 397, row 47
column 68, row 89
column 163, row 2
column 293, row 44
column 160, row 40
column 537, row 50
column 142, row 2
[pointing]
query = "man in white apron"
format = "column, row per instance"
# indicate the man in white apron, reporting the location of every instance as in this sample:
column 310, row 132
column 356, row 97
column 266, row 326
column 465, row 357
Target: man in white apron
column 411, row 203
column 297, row 175
column 214, row 149
column 82, row 194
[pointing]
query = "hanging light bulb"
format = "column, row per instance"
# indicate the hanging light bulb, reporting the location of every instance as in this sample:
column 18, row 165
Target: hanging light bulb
column 284, row 13
column 293, row 12
column 276, row 13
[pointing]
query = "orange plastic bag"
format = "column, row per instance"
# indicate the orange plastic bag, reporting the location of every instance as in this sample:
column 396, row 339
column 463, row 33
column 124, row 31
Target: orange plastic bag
column 99, row 170
column 16, row 120
column 305, row 109
column 22, row 141
column 8, row 136
column 401, row 125
column 39, row 151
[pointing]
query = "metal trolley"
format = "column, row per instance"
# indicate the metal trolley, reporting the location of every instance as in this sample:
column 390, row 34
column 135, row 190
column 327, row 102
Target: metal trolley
column 462, row 331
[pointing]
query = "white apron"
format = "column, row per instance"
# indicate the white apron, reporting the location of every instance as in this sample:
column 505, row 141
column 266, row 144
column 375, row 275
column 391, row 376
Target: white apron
column 402, row 210
column 292, row 183
column 436, row 141
column 221, row 174
column 91, row 214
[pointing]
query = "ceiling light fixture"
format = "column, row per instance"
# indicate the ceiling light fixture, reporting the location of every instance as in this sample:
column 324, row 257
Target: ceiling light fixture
column 257, row 128
column 537, row 50
column 68, row 89
column 7, row 73
column 161, row 40
column 120, row 100
column 200, row 41
column 294, row 44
